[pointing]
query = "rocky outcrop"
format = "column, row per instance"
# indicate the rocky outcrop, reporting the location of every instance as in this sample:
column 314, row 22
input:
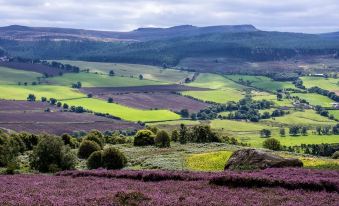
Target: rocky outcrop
column 256, row 159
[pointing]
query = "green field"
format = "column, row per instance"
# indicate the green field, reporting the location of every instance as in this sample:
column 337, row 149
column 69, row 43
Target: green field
column 271, row 97
column 97, row 80
column 236, row 126
column 328, row 84
column 126, row 113
column 14, row 76
column 315, row 99
column 223, row 90
column 262, row 82
column 307, row 118
column 15, row 92
column 175, row 123
column 335, row 113
column 127, row 70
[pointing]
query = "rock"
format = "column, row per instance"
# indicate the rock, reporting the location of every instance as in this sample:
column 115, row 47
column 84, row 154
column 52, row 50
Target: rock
column 255, row 159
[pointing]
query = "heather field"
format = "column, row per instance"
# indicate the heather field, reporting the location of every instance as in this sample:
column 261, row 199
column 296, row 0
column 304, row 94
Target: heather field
column 101, row 187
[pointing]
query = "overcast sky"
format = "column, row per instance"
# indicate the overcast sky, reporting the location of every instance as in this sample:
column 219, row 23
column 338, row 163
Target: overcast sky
column 309, row 16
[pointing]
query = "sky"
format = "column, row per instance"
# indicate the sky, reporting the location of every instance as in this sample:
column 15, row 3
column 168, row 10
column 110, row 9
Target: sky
column 308, row 16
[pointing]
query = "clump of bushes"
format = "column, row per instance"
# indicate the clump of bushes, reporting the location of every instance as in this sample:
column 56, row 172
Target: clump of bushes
column 272, row 144
column 51, row 155
column 97, row 137
column 87, row 147
column 335, row 155
column 162, row 139
column 144, row 138
column 109, row 158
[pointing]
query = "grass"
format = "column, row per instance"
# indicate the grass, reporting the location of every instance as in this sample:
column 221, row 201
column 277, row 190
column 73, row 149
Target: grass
column 97, row 80
column 211, row 161
column 262, row 82
column 273, row 98
column 218, row 96
column 126, row 113
column 215, row 161
column 15, row 92
column 224, row 90
column 149, row 72
column 13, row 76
column 306, row 118
column 335, row 113
column 236, row 126
column 175, row 122
column 315, row 99
column 328, row 84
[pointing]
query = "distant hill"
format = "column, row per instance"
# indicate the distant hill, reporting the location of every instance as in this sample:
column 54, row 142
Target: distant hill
column 160, row 46
column 24, row 33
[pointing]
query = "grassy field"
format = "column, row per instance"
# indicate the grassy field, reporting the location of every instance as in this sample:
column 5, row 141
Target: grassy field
column 271, row 97
column 15, row 92
column 175, row 123
column 149, row 72
column 215, row 161
column 13, row 76
column 328, row 84
column 262, row 82
column 307, row 118
column 315, row 99
column 224, row 90
column 126, row 113
column 97, row 80
column 335, row 113
column 236, row 126
column 218, row 96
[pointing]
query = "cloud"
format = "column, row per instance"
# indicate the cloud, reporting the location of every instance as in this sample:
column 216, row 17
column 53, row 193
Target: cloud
column 288, row 15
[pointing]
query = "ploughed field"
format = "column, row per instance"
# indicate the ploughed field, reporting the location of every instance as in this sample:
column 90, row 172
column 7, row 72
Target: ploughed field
column 102, row 187
column 31, row 117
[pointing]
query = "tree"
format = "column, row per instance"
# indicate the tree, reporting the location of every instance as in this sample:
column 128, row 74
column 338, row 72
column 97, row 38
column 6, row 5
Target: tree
column 31, row 98
column 294, row 130
column 144, row 138
column 266, row 115
column 59, row 104
column 184, row 113
column 111, row 73
column 94, row 161
column 265, row 133
column 86, row 148
column 282, row 132
column 51, row 155
column 175, row 135
column 89, row 95
column 203, row 134
column 65, row 106
column 162, row 139
column 43, row 99
column 279, row 96
column 110, row 100
column 141, row 77
column 52, row 101
column 97, row 137
column 318, row 129
column 304, row 131
column 272, row 144
column 183, row 134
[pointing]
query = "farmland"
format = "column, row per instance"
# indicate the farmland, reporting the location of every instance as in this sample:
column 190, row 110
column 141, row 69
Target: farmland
column 127, row 70
column 14, row 76
column 330, row 84
column 126, row 113
column 315, row 99
column 38, row 68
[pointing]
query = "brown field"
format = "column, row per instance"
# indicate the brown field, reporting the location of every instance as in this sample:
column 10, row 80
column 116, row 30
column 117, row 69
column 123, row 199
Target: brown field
column 139, row 89
column 157, row 100
column 39, row 68
column 30, row 117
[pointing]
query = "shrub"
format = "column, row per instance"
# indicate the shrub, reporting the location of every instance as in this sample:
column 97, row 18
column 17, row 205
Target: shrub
column 175, row 136
column 335, row 155
column 272, row 144
column 112, row 158
column 144, row 138
column 51, row 155
column 86, row 148
column 30, row 140
column 70, row 141
column 97, row 137
column 94, row 161
column 116, row 139
column 162, row 139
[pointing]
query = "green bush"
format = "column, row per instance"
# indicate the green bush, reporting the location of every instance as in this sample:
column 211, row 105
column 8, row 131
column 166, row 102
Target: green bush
column 97, row 137
column 162, row 139
column 94, row 161
column 30, row 140
column 116, row 139
column 112, row 158
column 51, row 155
column 335, row 155
column 272, row 144
column 144, row 138
column 86, row 148
column 19, row 143
column 70, row 141
column 175, row 136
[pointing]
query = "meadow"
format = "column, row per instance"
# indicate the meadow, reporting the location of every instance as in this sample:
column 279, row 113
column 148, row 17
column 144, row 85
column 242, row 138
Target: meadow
column 261, row 82
column 99, row 80
column 271, row 97
column 149, row 72
column 335, row 113
column 330, row 84
column 123, row 112
column 15, row 92
column 14, row 76
column 315, row 99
